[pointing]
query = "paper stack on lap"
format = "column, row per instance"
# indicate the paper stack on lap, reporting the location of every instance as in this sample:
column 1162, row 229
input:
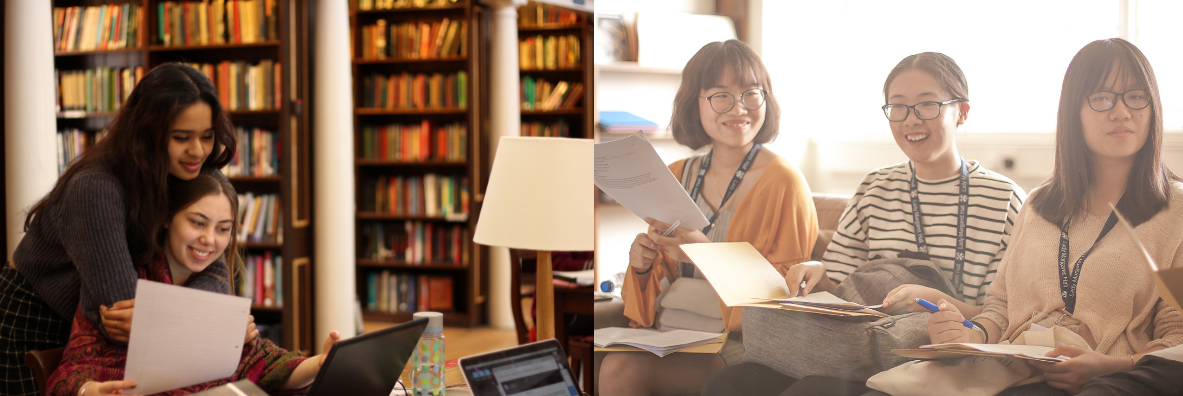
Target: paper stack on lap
column 829, row 302
column 955, row 350
column 657, row 342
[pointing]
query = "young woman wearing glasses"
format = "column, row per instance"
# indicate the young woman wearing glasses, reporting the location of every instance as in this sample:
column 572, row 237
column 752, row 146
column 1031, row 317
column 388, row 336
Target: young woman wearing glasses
column 1066, row 265
column 927, row 99
column 725, row 101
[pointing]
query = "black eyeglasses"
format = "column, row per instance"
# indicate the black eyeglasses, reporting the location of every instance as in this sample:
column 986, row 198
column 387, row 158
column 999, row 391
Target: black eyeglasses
column 723, row 102
column 1134, row 99
column 923, row 110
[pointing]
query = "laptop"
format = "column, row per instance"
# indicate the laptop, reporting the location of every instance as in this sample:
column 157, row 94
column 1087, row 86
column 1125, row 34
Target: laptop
column 369, row 364
column 536, row 369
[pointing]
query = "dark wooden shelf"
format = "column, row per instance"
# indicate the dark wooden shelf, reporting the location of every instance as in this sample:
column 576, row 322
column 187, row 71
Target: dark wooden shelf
column 388, row 216
column 392, row 264
column 262, row 245
column 559, row 70
column 444, row 111
column 405, row 61
column 575, row 111
column 254, row 112
column 384, row 162
column 161, row 48
column 266, row 308
column 70, row 114
column 549, row 28
column 451, row 319
column 457, row 6
column 97, row 52
column 255, row 179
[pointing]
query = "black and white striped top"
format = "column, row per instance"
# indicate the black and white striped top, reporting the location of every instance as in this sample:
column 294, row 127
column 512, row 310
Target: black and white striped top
column 877, row 223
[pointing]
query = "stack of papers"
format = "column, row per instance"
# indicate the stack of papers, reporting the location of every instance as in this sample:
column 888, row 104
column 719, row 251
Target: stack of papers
column 826, row 303
column 624, row 122
column 581, row 278
column 657, row 342
column 957, row 350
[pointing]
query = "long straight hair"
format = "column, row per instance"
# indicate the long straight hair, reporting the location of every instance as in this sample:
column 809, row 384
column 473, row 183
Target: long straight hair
column 1148, row 189
column 182, row 193
column 135, row 149
column 703, row 71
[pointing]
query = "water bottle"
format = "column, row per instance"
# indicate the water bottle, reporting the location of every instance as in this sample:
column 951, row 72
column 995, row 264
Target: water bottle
column 427, row 370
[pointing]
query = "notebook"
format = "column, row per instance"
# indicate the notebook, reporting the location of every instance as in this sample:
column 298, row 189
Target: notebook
column 369, row 364
column 536, row 369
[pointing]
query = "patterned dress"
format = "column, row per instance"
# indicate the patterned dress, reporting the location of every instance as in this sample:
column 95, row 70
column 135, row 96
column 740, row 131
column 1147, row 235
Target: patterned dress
column 91, row 357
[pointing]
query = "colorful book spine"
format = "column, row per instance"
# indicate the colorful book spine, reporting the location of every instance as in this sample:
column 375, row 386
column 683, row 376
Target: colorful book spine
column 216, row 22
column 257, row 153
column 414, row 242
column 400, row 292
column 407, row 91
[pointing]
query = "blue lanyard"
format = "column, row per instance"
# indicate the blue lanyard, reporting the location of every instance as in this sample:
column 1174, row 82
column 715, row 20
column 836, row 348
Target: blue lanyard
column 962, row 217
column 735, row 180
column 1068, row 283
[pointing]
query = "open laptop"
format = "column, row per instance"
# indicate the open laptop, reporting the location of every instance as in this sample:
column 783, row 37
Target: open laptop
column 369, row 364
column 536, row 369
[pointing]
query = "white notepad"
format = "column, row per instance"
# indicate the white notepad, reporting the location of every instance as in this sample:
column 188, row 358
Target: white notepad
column 182, row 336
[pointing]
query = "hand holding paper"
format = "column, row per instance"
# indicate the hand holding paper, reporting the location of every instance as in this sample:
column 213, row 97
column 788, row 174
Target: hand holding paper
column 672, row 244
column 630, row 171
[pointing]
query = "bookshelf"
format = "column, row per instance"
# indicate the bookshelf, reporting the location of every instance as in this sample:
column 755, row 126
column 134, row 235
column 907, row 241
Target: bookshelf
column 417, row 119
column 555, row 58
column 264, row 102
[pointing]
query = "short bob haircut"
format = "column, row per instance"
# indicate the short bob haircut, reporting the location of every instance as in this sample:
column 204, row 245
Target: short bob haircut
column 1148, row 189
column 703, row 71
column 939, row 66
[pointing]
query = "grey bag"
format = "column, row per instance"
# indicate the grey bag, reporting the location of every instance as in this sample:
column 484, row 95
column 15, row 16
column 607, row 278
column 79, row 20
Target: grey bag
column 801, row 344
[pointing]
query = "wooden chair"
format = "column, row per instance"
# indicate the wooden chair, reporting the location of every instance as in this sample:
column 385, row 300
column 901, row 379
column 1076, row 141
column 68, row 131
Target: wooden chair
column 43, row 364
column 522, row 267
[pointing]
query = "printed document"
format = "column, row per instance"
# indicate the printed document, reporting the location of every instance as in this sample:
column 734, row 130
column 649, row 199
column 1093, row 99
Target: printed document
column 657, row 342
column 630, row 171
column 182, row 336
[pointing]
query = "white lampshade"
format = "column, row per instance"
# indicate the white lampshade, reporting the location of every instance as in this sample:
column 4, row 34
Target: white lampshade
column 540, row 196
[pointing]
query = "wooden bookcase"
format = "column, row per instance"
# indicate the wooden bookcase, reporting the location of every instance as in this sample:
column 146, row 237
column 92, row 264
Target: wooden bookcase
column 287, row 118
column 393, row 122
column 537, row 20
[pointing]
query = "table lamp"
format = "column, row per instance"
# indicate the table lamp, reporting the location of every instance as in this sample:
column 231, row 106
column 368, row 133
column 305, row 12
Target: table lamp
column 540, row 197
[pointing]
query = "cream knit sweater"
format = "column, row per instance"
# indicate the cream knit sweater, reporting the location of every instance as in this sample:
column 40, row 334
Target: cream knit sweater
column 1118, row 310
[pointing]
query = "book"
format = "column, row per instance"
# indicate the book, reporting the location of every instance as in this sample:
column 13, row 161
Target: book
column 624, row 122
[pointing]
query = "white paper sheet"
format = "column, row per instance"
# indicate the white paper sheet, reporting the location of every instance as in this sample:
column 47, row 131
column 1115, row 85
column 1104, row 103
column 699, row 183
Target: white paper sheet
column 582, row 278
column 737, row 271
column 182, row 336
column 630, row 171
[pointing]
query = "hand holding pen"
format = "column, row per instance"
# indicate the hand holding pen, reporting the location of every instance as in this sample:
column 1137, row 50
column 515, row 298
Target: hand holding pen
column 670, row 237
column 948, row 325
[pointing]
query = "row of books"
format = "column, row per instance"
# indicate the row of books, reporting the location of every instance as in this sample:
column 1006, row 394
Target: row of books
column 415, row 242
column 537, row 14
column 243, row 86
column 415, row 91
column 549, row 52
column 367, row 5
column 541, row 95
column 262, row 218
column 71, row 144
column 559, row 128
column 415, row 142
column 216, row 22
column 429, row 195
column 414, row 40
column 257, row 153
column 99, row 89
column 96, row 28
column 264, row 279
column 401, row 292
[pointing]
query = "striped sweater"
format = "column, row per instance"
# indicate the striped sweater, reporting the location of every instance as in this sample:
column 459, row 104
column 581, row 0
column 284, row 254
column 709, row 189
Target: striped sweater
column 877, row 223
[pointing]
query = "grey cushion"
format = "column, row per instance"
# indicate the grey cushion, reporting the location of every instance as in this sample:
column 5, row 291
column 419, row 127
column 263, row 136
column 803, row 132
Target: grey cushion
column 694, row 295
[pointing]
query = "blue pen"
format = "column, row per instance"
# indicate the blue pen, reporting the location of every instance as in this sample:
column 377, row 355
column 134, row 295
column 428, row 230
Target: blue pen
column 934, row 308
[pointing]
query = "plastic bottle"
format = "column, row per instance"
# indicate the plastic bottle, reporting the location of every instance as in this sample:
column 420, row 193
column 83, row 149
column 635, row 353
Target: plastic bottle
column 427, row 370
column 613, row 285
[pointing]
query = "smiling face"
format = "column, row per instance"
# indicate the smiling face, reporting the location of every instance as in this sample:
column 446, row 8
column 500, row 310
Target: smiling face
column 190, row 141
column 925, row 141
column 1117, row 133
column 738, row 126
column 198, row 234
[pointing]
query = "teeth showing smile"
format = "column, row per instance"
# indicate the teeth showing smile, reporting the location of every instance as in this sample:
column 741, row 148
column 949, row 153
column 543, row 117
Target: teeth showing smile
column 200, row 253
column 916, row 137
column 735, row 123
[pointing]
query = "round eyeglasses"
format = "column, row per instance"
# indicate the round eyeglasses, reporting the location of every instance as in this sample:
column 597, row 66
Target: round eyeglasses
column 723, row 102
column 924, row 110
column 1135, row 99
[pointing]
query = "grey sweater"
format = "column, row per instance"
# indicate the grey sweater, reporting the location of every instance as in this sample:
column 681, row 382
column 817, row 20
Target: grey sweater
column 76, row 250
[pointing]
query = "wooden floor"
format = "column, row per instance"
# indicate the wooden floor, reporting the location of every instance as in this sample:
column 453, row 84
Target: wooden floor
column 462, row 341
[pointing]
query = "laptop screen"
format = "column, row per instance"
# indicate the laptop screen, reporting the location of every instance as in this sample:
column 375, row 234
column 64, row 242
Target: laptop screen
column 537, row 369
column 369, row 364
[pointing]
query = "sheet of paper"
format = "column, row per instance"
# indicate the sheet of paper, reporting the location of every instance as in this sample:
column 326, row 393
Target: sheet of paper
column 630, row 171
column 737, row 271
column 1168, row 281
column 582, row 278
column 182, row 336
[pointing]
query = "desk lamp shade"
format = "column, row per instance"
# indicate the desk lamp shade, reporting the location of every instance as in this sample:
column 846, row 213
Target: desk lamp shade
column 540, row 196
